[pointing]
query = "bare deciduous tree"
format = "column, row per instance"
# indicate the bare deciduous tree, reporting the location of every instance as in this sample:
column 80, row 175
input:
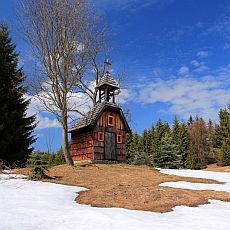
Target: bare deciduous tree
column 67, row 41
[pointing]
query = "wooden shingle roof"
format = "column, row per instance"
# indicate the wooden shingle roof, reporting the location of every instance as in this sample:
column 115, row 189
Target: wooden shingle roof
column 90, row 118
column 107, row 80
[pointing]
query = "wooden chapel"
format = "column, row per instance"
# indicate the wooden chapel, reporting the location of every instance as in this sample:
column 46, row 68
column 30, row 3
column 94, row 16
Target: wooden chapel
column 100, row 134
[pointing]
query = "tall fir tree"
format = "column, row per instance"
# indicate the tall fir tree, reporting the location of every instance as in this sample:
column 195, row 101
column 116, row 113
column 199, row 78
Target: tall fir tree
column 15, row 127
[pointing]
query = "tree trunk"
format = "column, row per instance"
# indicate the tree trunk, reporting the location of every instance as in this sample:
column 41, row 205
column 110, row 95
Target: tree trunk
column 65, row 144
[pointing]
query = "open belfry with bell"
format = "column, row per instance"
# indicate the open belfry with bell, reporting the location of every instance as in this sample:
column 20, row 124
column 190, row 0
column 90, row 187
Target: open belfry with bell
column 99, row 135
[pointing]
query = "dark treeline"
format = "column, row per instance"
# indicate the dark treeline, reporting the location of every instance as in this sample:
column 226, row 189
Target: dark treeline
column 193, row 144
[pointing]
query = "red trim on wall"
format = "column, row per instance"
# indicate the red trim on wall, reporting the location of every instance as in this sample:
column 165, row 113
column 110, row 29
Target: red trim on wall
column 100, row 136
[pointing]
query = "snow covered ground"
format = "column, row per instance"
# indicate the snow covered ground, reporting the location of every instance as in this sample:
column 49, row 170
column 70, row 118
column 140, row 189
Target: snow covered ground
column 33, row 205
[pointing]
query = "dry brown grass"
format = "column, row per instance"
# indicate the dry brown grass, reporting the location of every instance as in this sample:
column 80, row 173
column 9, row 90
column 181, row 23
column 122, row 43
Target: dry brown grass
column 132, row 187
column 216, row 168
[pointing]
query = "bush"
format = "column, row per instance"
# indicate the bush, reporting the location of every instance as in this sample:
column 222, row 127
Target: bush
column 39, row 165
column 58, row 158
column 142, row 159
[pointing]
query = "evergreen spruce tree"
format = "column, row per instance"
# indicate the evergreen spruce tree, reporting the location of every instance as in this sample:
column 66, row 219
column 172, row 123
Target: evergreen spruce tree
column 161, row 129
column 192, row 159
column 190, row 120
column 149, row 143
column 168, row 157
column 221, row 136
column 129, row 146
column 225, row 152
column 15, row 127
column 133, row 147
column 135, row 143
column 145, row 140
column 59, row 157
column 176, row 133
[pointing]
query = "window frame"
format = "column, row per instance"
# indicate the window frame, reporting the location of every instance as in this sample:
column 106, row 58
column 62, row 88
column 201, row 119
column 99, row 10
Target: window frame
column 119, row 139
column 101, row 136
column 113, row 120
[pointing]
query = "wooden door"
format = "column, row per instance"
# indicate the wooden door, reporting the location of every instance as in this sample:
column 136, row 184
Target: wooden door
column 110, row 146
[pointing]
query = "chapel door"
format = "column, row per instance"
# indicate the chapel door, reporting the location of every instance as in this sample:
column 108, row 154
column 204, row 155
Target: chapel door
column 110, row 146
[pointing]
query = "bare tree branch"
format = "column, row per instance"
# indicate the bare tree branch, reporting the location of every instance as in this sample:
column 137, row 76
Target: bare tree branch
column 67, row 41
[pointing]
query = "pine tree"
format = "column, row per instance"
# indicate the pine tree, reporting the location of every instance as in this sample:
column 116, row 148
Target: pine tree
column 15, row 127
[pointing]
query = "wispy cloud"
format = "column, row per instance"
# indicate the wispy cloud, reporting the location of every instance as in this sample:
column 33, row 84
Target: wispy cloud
column 199, row 66
column 185, row 95
column 202, row 54
column 227, row 46
column 183, row 70
column 130, row 5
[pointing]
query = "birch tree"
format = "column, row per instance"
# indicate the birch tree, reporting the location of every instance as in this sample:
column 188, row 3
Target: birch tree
column 67, row 40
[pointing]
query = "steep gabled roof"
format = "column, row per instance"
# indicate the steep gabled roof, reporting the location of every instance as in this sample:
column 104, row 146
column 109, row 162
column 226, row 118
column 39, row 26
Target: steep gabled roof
column 90, row 118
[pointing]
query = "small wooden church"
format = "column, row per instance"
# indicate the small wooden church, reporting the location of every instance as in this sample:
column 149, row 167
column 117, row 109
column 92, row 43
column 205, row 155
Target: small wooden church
column 100, row 134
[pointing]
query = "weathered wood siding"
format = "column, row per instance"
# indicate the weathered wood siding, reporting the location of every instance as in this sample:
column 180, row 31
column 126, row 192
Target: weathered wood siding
column 81, row 147
column 86, row 146
column 103, row 126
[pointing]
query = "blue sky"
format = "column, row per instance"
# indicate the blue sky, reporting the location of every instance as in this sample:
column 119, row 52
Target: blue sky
column 176, row 54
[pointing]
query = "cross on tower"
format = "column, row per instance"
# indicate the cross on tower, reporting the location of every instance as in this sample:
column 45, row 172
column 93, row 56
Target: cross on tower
column 107, row 85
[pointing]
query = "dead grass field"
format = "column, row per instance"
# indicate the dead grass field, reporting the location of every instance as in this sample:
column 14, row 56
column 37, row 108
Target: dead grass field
column 215, row 168
column 131, row 187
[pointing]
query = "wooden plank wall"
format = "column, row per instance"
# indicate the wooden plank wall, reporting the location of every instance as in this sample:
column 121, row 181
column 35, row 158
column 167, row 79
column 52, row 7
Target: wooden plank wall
column 81, row 146
column 102, row 126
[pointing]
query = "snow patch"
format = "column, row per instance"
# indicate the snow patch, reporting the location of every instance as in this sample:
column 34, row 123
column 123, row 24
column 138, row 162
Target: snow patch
column 37, row 205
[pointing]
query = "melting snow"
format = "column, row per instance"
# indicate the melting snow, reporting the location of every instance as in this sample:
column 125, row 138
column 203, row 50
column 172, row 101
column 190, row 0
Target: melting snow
column 34, row 205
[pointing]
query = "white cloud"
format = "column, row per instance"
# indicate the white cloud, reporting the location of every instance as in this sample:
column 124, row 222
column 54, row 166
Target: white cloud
column 46, row 119
column 202, row 54
column 125, row 96
column 191, row 95
column 183, row 70
column 46, row 122
column 43, row 120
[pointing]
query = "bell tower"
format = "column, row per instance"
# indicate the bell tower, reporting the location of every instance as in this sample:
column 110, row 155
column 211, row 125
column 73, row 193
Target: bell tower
column 107, row 86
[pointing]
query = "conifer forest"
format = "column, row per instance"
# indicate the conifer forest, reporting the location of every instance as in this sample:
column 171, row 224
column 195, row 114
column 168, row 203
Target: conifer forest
column 192, row 144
